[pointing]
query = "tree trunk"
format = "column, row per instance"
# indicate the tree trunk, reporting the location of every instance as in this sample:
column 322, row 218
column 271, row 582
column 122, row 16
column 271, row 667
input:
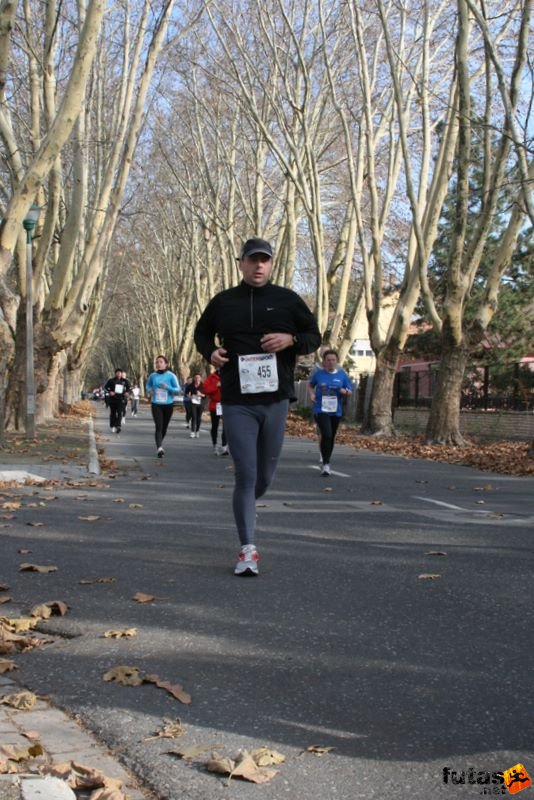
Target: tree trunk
column 444, row 421
column 380, row 417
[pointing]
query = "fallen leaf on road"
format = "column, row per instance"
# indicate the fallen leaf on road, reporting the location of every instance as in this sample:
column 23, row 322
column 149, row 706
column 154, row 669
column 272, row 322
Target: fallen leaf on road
column 4, row 587
column 135, row 505
column 317, row 750
column 377, row 503
column 106, row 579
column 5, row 525
column 175, row 690
column 436, row 553
column 36, row 568
column 90, row 518
column 19, row 624
column 6, row 665
column 127, row 676
column 22, row 753
column 52, row 607
column 23, row 552
column 4, row 598
column 11, row 505
column 35, row 524
column 243, row 766
column 119, row 500
column 428, row 576
column 23, row 701
column 327, row 489
column 140, row 597
column 125, row 633
column 265, row 757
column 171, row 730
column 190, row 752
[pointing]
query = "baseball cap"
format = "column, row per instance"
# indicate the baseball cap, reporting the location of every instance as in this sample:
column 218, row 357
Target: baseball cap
column 253, row 246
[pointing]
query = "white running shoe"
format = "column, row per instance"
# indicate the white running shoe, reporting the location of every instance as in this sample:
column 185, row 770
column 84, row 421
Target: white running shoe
column 216, row 451
column 197, row 434
column 113, row 430
column 191, row 435
column 161, row 452
column 225, row 451
column 326, row 470
column 247, row 563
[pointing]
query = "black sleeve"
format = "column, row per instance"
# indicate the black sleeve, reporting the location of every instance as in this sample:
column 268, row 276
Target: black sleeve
column 205, row 332
column 308, row 336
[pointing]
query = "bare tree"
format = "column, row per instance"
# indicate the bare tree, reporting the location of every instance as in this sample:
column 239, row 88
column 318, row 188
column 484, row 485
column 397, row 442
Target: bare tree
column 472, row 263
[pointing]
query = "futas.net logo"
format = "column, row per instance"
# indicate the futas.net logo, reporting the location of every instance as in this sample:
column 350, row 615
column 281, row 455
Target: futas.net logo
column 508, row 781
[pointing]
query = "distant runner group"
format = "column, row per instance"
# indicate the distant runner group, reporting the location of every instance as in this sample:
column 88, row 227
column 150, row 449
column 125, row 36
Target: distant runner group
column 251, row 334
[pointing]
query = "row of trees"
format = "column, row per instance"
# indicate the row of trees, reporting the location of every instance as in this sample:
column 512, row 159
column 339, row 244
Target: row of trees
column 338, row 130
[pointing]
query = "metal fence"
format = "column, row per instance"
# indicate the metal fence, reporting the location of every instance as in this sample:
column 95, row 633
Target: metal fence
column 485, row 388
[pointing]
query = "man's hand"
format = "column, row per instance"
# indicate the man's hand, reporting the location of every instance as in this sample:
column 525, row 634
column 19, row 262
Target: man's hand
column 274, row 342
column 218, row 357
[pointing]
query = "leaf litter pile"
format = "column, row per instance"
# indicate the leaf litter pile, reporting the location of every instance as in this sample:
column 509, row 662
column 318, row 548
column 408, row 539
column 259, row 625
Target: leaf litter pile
column 504, row 457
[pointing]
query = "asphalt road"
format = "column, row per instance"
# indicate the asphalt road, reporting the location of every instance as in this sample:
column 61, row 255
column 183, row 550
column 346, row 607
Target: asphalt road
column 338, row 643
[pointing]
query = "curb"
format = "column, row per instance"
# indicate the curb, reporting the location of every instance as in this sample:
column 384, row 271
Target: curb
column 94, row 464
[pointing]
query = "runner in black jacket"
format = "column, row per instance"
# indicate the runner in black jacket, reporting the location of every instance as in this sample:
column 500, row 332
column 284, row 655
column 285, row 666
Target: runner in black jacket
column 253, row 333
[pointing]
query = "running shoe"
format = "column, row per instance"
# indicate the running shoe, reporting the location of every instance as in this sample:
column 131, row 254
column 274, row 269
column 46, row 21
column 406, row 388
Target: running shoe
column 161, row 452
column 326, row 470
column 113, row 430
column 216, row 451
column 225, row 451
column 197, row 434
column 191, row 435
column 118, row 430
column 247, row 563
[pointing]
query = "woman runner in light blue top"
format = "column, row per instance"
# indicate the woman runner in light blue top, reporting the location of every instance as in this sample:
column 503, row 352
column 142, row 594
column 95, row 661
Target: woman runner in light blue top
column 327, row 388
column 161, row 387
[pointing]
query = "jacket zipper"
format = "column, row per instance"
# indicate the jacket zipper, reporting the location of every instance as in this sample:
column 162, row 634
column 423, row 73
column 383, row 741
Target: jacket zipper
column 252, row 308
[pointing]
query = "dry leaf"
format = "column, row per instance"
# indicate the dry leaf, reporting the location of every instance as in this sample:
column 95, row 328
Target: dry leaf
column 175, row 690
column 98, row 580
column 190, row 752
column 24, row 552
column 36, row 568
column 4, row 587
column 11, row 505
column 135, row 505
column 19, row 624
column 222, row 765
column 140, row 597
column 6, row 665
column 428, row 576
column 125, row 633
column 377, row 503
column 247, row 769
column 35, row 524
column 4, row 598
column 327, row 489
column 265, row 757
column 317, row 750
column 171, row 730
column 90, row 518
column 23, row 701
column 119, row 500
column 127, row 676
column 436, row 553
column 46, row 610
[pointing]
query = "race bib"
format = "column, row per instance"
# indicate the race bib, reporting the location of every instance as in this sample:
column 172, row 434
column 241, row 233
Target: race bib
column 258, row 373
column 196, row 400
column 119, row 388
column 329, row 404
column 161, row 396
column 218, row 409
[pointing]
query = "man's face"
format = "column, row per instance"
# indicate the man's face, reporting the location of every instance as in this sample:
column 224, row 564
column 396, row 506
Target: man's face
column 256, row 269
column 330, row 362
column 161, row 363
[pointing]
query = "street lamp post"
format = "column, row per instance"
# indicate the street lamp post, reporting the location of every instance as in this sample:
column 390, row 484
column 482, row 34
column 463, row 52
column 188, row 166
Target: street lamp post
column 29, row 223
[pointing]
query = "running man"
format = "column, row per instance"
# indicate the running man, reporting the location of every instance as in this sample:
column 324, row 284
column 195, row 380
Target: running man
column 253, row 333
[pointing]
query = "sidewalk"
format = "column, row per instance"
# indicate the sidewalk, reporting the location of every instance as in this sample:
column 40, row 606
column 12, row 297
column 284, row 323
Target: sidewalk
column 64, row 449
